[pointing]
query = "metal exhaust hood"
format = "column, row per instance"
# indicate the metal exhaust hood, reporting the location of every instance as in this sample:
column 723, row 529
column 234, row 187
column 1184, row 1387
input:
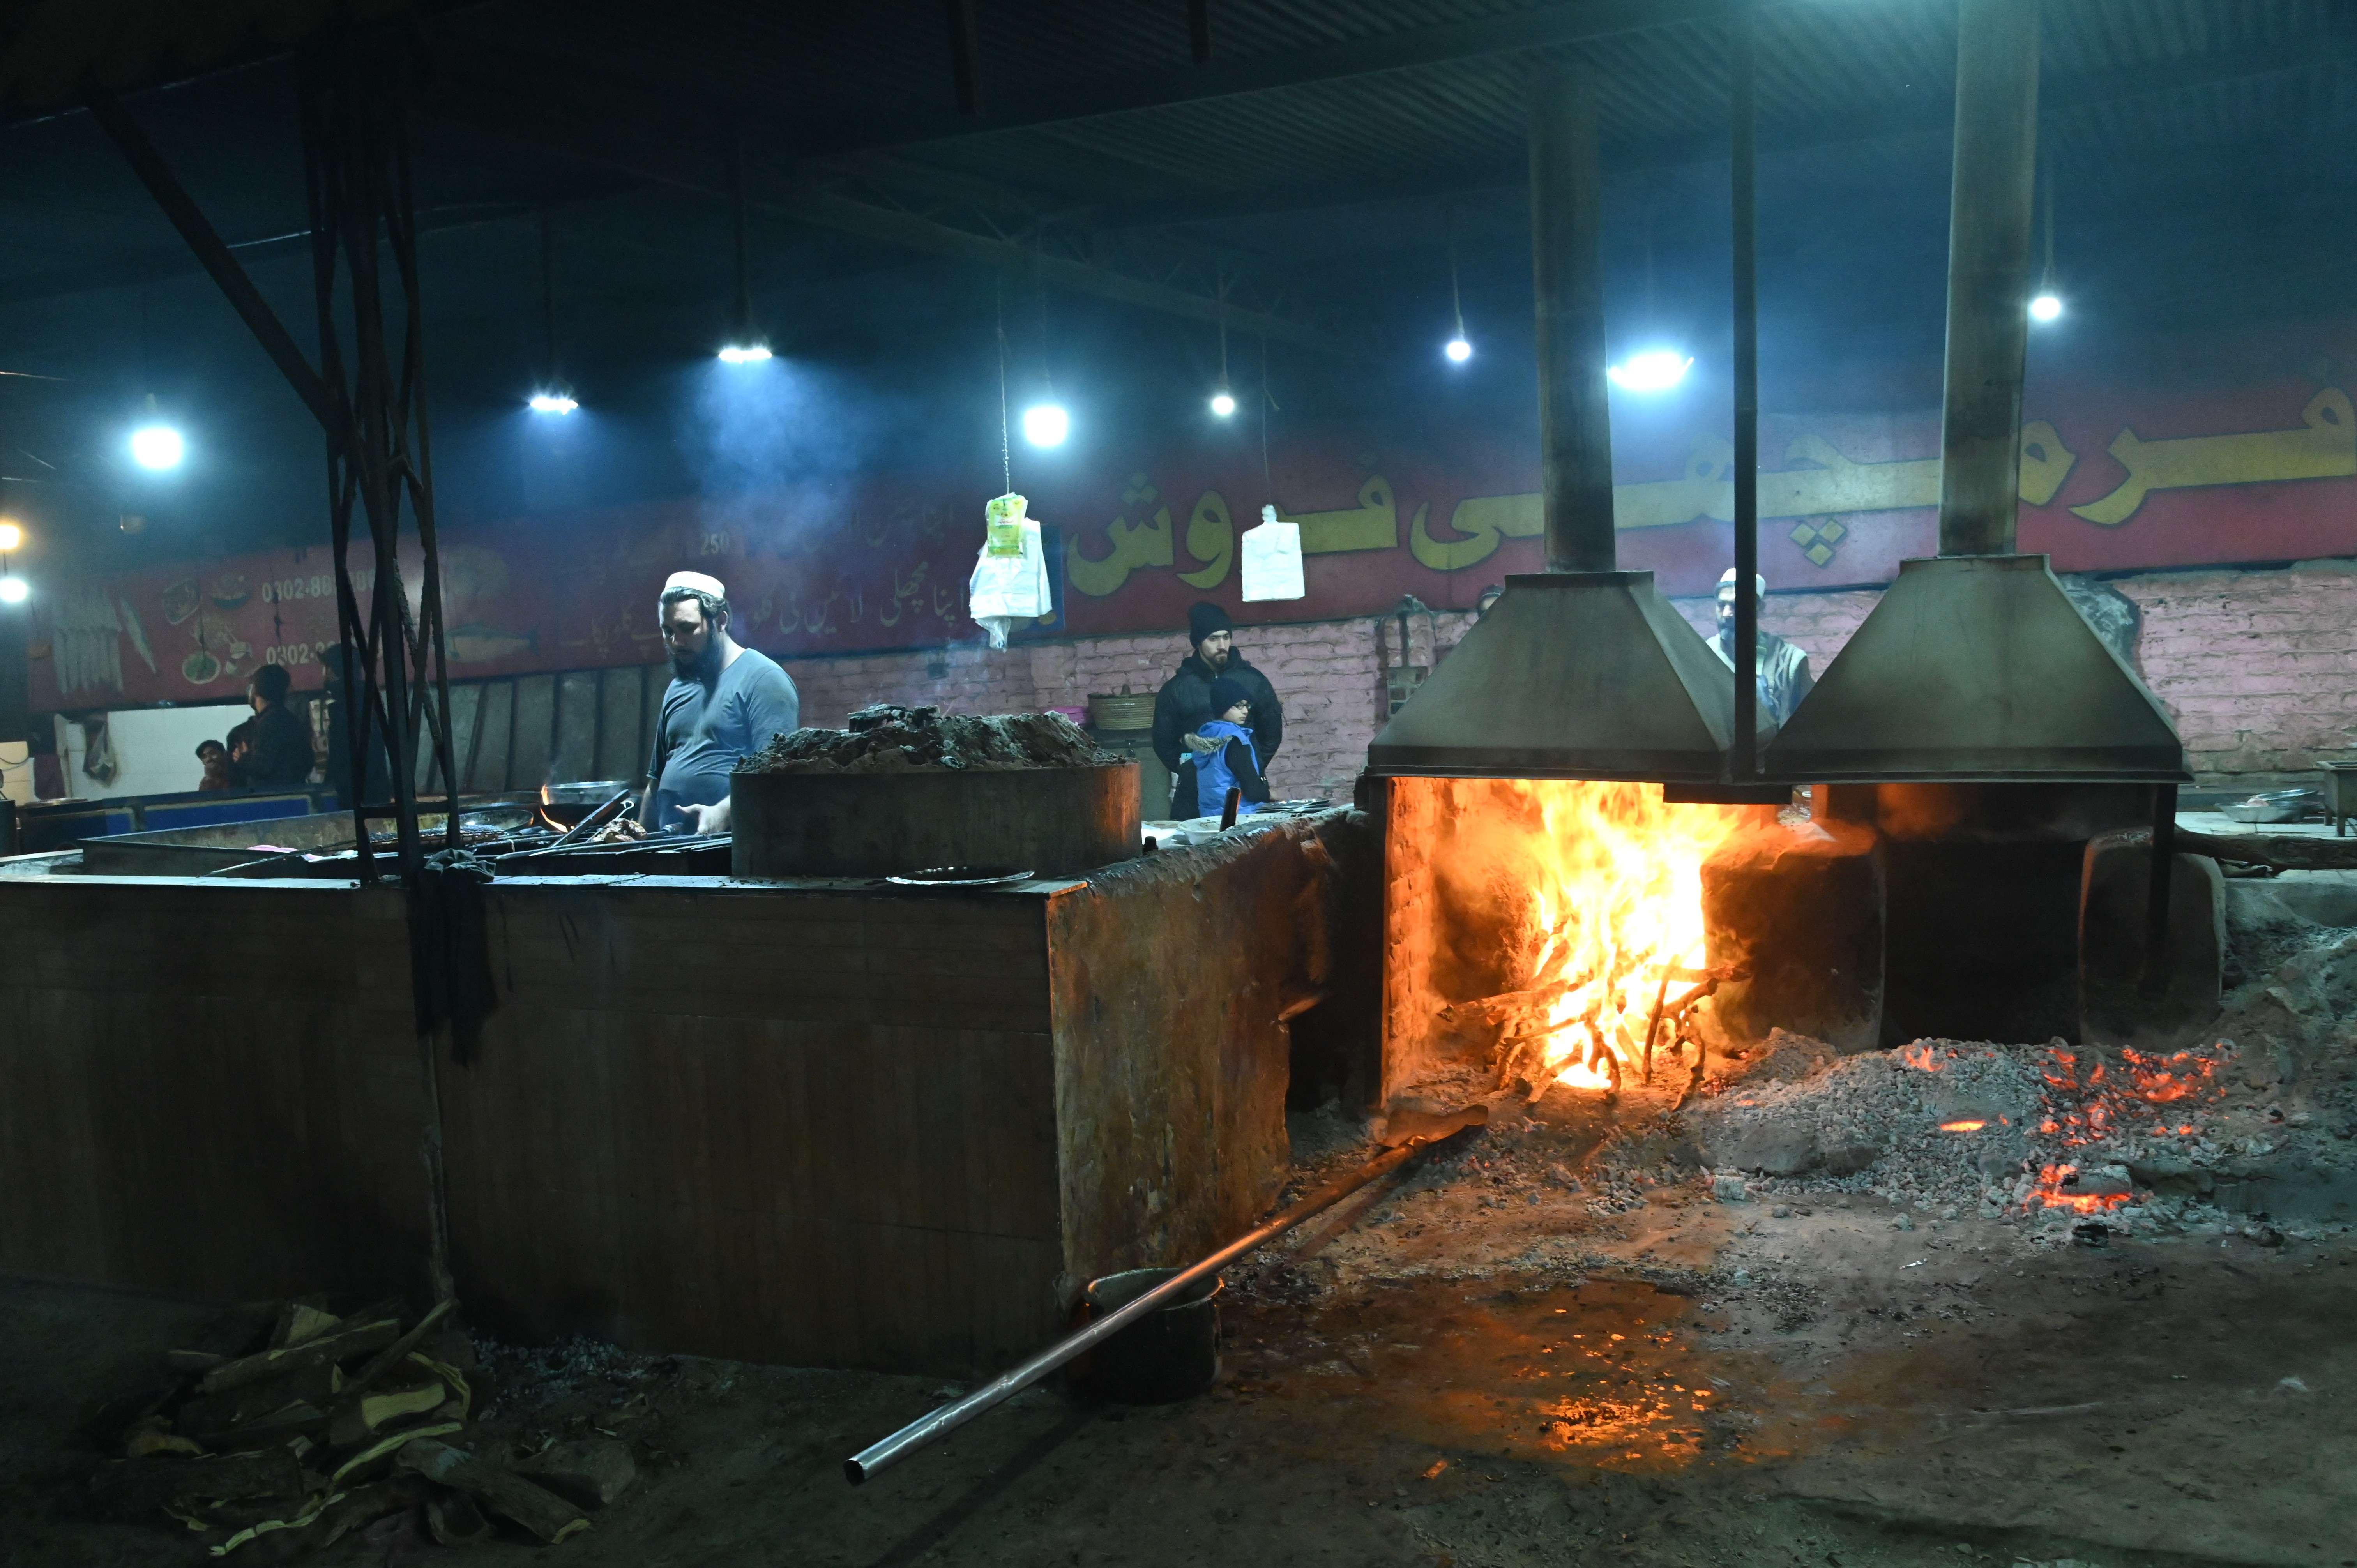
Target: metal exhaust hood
column 1571, row 675
column 1583, row 670
column 1975, row 667
column 1979, row 669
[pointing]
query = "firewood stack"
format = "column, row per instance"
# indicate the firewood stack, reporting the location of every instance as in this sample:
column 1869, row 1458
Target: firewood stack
column 280, row 1432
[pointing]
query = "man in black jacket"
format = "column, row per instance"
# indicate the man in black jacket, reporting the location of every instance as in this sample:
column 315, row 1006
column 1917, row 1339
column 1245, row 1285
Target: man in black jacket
column 278, row 739
column 1184, row 703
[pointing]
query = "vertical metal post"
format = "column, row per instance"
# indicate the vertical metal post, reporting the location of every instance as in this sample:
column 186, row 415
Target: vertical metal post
column 1742, row 757
column 1199, row 31
column 1575, row 410
column 1989, row 232
column 380, row 456
column 2155, row 907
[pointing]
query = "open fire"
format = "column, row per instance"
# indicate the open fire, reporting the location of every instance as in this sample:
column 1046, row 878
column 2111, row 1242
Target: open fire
column 1595, row 957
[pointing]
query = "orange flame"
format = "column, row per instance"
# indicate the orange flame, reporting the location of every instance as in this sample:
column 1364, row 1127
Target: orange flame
column 1961, row 1127
column 1617, row 907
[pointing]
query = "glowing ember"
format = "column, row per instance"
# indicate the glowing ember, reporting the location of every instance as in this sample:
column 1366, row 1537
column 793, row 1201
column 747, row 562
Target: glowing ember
column 2084, row 1108
column 1961, row 1127
column 1617, row 919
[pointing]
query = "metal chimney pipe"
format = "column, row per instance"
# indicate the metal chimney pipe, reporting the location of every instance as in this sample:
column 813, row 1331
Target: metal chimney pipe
column 1567, row 264
column 1989, row 224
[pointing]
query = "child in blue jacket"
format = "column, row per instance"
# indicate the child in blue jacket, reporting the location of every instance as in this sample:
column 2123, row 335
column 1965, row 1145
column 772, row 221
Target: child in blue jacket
column 1233, row 764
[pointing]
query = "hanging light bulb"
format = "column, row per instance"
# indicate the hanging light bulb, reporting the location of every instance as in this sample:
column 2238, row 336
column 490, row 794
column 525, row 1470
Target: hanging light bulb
column 13, row 590
column 12, row 538
column 1046, row 425
column 1656, row 370
column 2046, row 305
column 1459, row 348
column 157, row 447
column 554, row 395
column 1224, row 402
column 748, row 346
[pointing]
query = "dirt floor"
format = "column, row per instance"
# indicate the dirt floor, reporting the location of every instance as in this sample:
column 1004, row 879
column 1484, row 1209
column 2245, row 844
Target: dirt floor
column 1510, row 1356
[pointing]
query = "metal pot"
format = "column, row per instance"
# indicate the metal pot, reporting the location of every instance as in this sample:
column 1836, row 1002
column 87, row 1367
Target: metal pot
column 1172, row 1355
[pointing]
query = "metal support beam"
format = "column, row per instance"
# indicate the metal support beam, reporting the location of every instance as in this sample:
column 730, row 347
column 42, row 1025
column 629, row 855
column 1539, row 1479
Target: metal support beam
column 355, row 95
column 1567, row 267
column 1199, row 31
column 665, row 149
column 211, row 254
column 1544, row 27
column 1989, row 232
column 1742, row 116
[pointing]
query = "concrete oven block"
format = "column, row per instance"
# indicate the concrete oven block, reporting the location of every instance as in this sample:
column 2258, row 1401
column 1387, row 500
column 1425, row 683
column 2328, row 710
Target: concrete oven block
column 2112, row 933
column 1802, row 908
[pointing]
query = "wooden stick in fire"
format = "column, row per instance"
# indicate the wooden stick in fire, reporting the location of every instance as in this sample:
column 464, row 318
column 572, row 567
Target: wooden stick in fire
column 1653, row 1024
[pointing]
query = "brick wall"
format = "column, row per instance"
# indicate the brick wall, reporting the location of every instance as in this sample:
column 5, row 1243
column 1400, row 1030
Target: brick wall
column 2258, row 667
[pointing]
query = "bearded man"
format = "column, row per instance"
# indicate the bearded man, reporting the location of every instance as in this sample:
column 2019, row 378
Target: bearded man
column 1783, row 668
column 724, row 703
column 1183, row 706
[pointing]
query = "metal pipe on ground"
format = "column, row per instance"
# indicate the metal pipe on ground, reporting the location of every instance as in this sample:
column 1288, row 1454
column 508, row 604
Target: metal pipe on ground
column 1989, row 226
column 1567, row 267
column 865, row 1464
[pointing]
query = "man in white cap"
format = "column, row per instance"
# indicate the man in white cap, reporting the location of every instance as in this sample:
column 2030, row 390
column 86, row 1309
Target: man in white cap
column 724, row 703
column 1784, row 677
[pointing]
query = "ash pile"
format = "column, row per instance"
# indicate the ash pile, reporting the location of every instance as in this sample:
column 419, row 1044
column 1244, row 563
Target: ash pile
column 287, row 1426
column 886, row 739
column 2253, row 1129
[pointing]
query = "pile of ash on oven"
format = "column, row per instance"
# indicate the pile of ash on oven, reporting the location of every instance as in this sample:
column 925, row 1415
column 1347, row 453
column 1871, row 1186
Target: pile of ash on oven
column 887, row 738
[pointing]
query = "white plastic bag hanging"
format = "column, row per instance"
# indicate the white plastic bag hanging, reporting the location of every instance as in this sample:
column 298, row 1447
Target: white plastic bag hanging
column 1010, row 572
column 1271, row 559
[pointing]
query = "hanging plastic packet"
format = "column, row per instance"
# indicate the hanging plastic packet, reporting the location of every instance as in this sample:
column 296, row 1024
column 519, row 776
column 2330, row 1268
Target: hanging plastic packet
column 1008, row 586
column 1002, row 522
column 1271, row 559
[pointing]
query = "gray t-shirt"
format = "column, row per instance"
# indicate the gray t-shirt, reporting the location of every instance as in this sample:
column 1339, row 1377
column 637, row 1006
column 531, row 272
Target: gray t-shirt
column 707, row 727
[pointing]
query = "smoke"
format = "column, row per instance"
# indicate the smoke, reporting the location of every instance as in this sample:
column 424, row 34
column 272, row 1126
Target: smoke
column 777, row 443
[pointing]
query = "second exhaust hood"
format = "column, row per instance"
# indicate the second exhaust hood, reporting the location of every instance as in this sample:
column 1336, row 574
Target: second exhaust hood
column 1978, row 668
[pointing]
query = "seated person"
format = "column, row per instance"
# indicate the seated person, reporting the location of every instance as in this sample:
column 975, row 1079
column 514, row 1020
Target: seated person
column 215, row 756
column 278, row 740
column 1231, row 762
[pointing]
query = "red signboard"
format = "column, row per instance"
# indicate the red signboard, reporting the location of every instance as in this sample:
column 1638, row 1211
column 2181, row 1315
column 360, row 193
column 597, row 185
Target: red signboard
column 2113, row 479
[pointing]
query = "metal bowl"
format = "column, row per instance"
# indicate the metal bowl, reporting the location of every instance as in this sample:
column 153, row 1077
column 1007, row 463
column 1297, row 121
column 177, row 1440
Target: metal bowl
column 2274, row 806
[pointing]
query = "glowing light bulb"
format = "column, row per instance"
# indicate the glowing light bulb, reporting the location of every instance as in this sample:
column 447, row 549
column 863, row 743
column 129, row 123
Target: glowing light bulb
column 1656, row 370
column 744, row 353
column 157, row 447
column 2047, row 306
column 11, row 537
column 13, row 590
column 1223, row 403
column 1046, row 425
column 552, row 403
column 1459, row 350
